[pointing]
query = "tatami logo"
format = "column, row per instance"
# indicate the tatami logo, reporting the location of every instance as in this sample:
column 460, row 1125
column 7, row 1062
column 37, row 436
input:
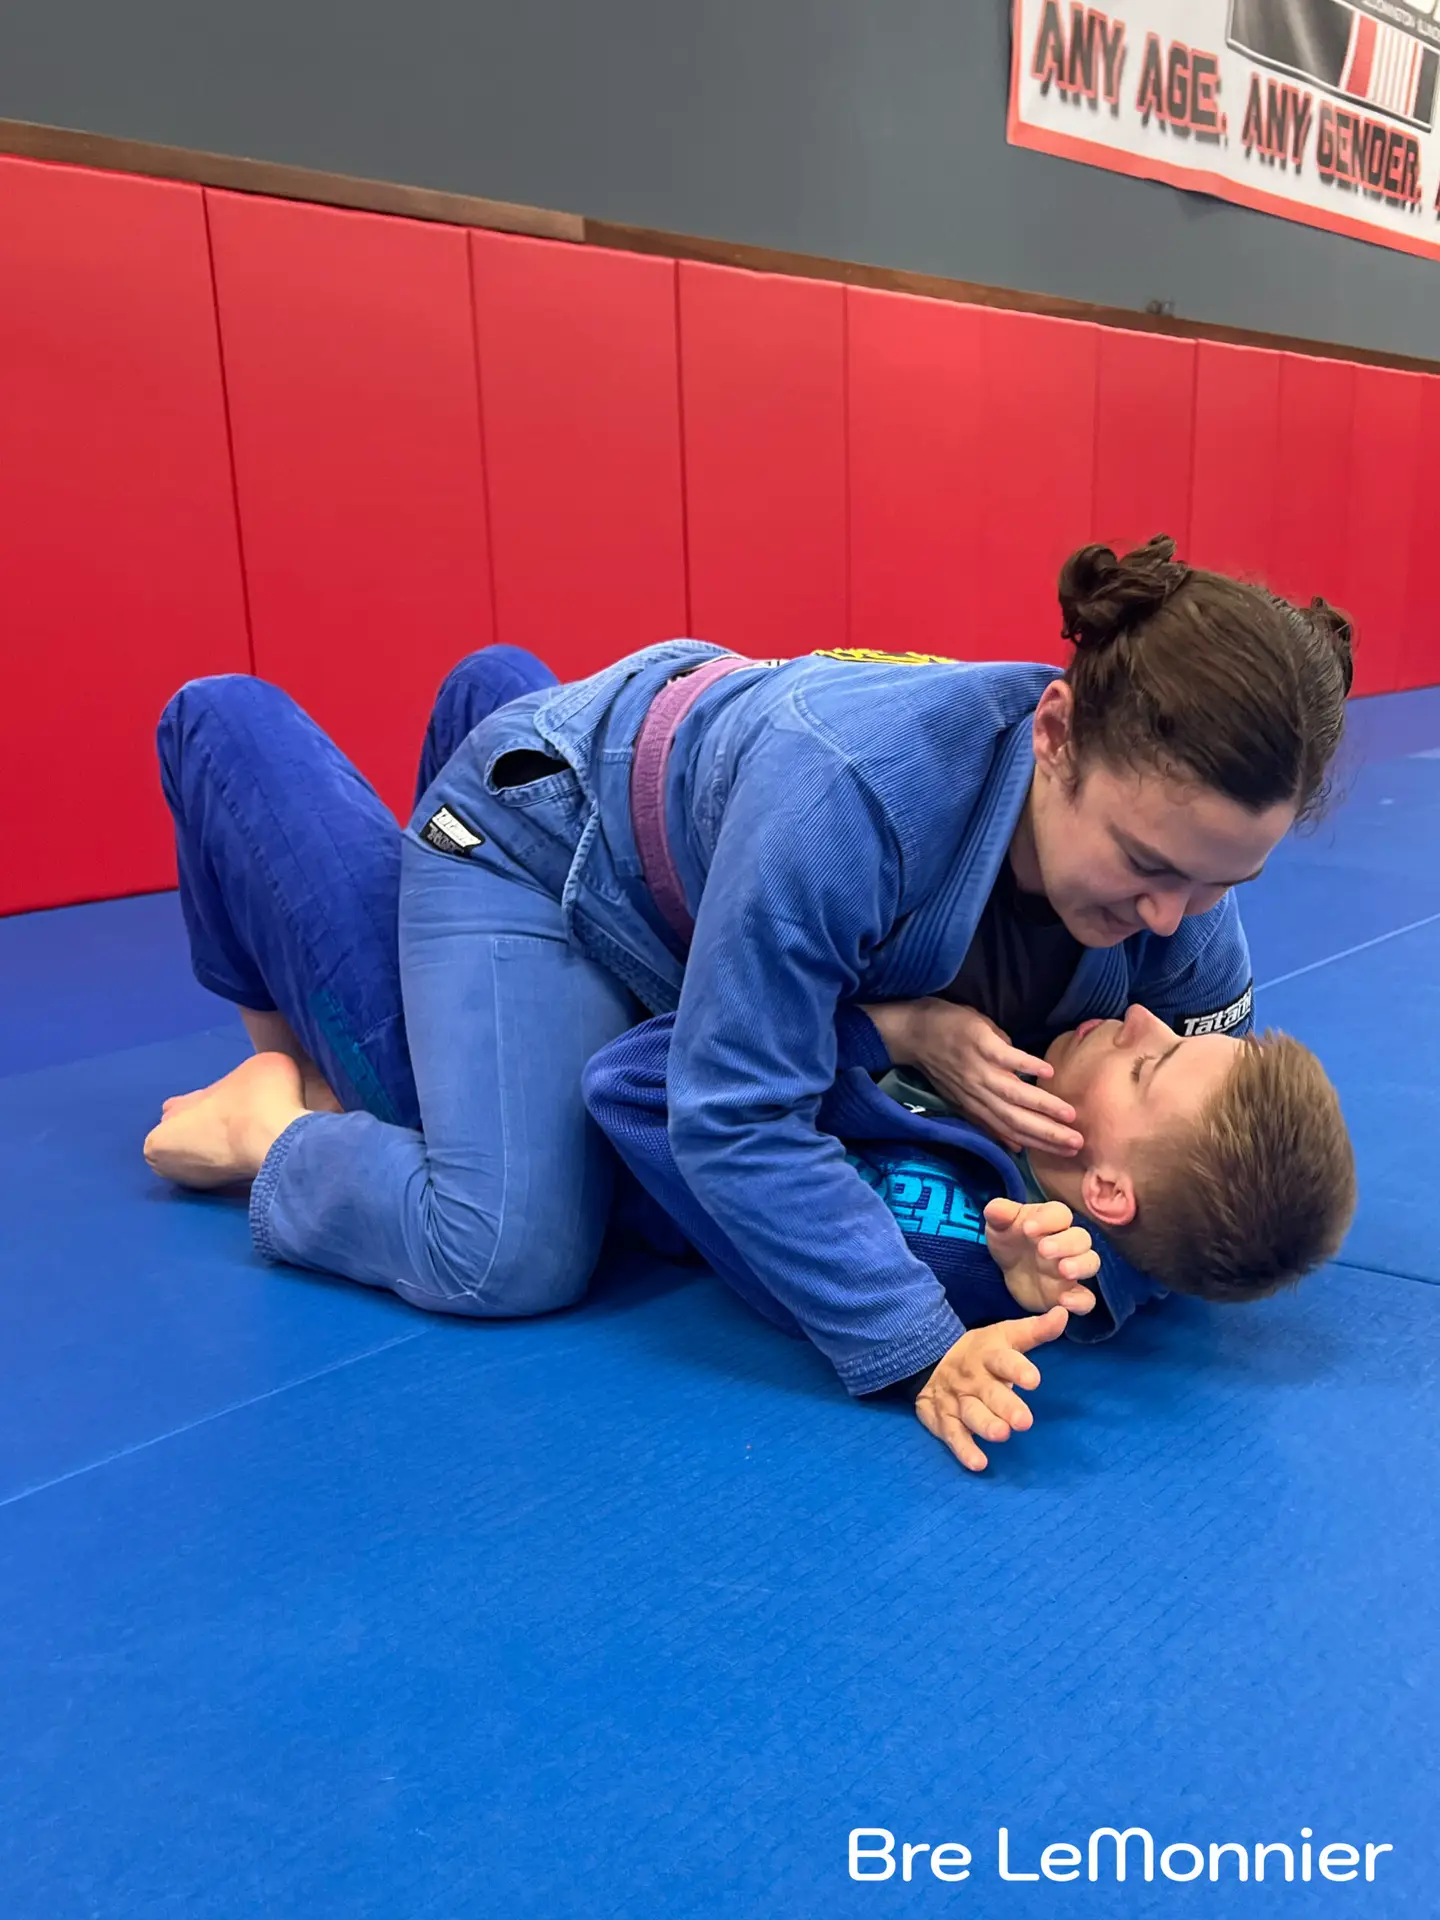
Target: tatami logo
column 1222, row 1019
column 448, row 833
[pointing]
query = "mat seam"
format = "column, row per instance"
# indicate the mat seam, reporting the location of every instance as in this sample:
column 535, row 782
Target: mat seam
column 1386, row 1273
column 208, row 1419
column 254, row 1400
column 1348, row 953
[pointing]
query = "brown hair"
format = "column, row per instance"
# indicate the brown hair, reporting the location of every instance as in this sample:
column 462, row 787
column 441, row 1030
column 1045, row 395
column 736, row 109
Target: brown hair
column 1258, row 1192
column 1203, row 676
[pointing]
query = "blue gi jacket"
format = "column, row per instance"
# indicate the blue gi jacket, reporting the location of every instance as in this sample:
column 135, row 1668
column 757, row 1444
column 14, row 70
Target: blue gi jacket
column 837, row 826
column 626, row 1094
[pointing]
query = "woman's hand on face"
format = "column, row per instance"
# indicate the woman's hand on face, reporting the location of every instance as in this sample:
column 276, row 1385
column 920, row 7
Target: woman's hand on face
column 972, row 1063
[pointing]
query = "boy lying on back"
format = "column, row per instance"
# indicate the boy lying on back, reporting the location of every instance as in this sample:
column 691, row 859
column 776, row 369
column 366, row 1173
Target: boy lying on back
column 1210, row 1165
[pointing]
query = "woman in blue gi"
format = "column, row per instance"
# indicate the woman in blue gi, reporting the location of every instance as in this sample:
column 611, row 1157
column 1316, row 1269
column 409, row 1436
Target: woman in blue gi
column 754, row 845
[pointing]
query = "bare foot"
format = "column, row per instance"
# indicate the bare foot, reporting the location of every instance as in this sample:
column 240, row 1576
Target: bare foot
column 179, row 1100
column 317, row 1093
column 223, row 1133
column 272, row 1033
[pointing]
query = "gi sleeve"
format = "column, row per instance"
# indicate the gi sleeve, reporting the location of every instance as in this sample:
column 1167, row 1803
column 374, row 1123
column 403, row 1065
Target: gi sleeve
column 626, row 1093
column 804, row 883
column 1200, row 979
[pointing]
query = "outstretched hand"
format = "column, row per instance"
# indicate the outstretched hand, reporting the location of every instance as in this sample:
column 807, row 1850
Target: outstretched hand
column 1043, row 1255
column 971, row 1394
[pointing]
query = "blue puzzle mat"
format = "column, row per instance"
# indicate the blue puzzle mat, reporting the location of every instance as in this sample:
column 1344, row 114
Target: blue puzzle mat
column 315, row 1605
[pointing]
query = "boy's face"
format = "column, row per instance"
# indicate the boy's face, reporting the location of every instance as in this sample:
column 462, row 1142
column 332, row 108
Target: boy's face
column 1130, row 1082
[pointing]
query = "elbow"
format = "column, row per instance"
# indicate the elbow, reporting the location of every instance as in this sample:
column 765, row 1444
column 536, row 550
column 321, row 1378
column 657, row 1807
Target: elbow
column 715, row 1141
column 692, row 1136
column 700, row 1140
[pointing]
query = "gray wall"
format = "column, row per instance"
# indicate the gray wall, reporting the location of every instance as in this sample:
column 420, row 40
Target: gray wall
column 866, row 129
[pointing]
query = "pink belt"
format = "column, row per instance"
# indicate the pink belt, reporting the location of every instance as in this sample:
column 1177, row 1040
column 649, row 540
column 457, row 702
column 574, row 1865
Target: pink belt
column 648, row 784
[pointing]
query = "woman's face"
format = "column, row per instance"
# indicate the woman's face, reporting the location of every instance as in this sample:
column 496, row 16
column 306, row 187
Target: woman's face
column 1121, row 851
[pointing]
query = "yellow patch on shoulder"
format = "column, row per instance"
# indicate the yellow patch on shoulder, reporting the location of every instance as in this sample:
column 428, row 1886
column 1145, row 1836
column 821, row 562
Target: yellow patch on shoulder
column 871, row 656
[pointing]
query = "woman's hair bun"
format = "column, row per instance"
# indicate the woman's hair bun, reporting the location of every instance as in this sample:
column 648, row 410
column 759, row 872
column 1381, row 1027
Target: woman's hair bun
column 1323, row 626
column 1103, row 596
column 1335, row 627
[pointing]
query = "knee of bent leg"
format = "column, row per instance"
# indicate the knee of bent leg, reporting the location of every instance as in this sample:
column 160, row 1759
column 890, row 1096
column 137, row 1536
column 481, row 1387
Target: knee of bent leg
column 537, row 1280
column 230, row 699
column 221, row 705
column 508, row 1276
column 226, row 720
column 492, row 675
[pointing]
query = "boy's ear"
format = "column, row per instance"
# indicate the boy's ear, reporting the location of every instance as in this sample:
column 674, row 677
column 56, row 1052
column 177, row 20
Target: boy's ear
column 1108, row 1198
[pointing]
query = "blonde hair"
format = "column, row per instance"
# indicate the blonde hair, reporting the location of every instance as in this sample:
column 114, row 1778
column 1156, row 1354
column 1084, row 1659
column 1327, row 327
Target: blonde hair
column 1260, row 1190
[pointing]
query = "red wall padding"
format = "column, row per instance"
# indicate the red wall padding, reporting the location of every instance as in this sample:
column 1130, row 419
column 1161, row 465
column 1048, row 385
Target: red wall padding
column 350, row 365
column 762, row 364
column 917, row 479
column 1236, row 472
column 581, row 402
column 1312, row 504
column 119, row 570
column 1384, row 477
column 1144, row 439
column 437, row 438
column 1038, row 466
column 1418, row 657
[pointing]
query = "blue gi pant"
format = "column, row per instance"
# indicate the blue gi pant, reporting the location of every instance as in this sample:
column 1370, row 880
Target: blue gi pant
column 439, row 996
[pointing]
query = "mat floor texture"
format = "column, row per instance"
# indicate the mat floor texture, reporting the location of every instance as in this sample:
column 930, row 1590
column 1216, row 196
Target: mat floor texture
column 314, row 1605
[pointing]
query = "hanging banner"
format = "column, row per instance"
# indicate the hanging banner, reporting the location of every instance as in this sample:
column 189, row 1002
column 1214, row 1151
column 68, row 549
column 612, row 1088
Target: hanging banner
column 1321, row 111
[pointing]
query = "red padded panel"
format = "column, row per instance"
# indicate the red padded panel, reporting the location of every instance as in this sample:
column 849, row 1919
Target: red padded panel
column 1312, row 505
column 581, row 404
column 915, row 472
column 763, row 382
column 119, row 570
column 1418, row 661
column 1237, row 425
column 1038, row 427
column 1384, row 468
column 350, row 362
column 1144, row 439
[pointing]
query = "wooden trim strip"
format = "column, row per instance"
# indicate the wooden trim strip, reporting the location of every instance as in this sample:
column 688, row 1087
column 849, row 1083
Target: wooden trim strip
column 602, row 233
column 72, row 148
column 31, row 142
